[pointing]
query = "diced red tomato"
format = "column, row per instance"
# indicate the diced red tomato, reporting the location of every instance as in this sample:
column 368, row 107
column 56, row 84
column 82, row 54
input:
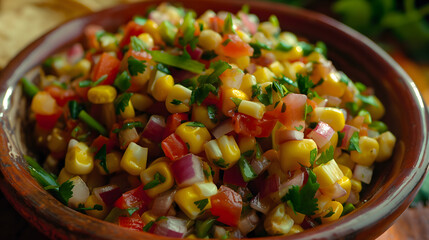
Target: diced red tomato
column 250, row 126
column 227, row 205
column 133, row 223
column 216, row 23
column 62, row 96
column 102, row 140
column 174, row 121
column 48, row 121
column 134, row 198
column 132, row 29
column 235, row 47
column 90, row 34
column 107, row 65
column 46, row 109
column 174, row 147
column 212, row 99
column 293, row 116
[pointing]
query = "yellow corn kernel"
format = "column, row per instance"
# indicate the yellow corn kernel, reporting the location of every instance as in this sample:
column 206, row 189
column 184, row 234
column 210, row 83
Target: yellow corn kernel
column 277, row 68
column 316, row 57
column 148, row 216
column 141, row 102
column 297, row 217
column 228, row 93
column 288, row 37
column 162, row 87
column 295, row 53
column 328, row 173
column 91, row 202
column 209, row 39
column 212, row 150
column 263, row 75
column 148, row 175
column 181, row 93
column 346, row 171
column 247, row 144
column 277, row 221
column 332, row 116
column 356, row 185
column 333, row 142
column 63, row 176
column 244, row 36
column 113, row 163
column 151, row 27
column 201, row 114
column 369, row 150
column 191, row 236
column 196, row 137
column 335, row 207
column 186, row 198
column 253, row 109
column 230, row 151
column 377, row 112
column 57, row 140
column 102, row 94
column 134, row 159
column 295, row 229
column 291, row 69
column 332, row 86
column 246, row 85
column 82, row 68
column 386, row 142
column 242, row 62
column 128, row 111
column 147, row 39
column 79, row 160
column 344, row 159
column 322, row 201
column 294, row 153
column 346, row 184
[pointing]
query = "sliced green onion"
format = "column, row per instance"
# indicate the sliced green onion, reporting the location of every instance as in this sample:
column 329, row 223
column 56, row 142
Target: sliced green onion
column 379, row 126
column 44, row 178
column 29, row 88
column 203, row 227
column 74, row 108
column 167, row 31
column 84, row 116
column 177, row 61
column 123, row 81
column 246, row 170
column 348, row 208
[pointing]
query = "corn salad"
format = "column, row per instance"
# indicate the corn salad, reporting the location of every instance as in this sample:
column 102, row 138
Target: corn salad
column 216, row 126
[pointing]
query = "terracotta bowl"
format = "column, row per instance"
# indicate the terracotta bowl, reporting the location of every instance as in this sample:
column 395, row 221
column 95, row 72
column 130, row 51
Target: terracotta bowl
column 394, row 184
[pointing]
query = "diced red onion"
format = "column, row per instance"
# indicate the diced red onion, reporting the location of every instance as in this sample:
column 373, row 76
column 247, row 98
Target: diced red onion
column 272, row 184
column 308, row 223
column 363, row 173
column 75, row 53
column 248, row 223
column 321, row 134
column 353, row 198
column 260, row 165
column 348, row 132
column 187, row 170
column 284, row 135
column 233, row 176
column 297, row 180
column 163, row 202
column 171, row 227
column 259, row 205
column 332, row 101
column 224, row 128
column 155, row 128
column 108, row 194
column 194, row 53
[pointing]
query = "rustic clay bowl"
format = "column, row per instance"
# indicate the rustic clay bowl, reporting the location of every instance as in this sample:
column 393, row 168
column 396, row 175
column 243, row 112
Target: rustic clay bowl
column 394, row 184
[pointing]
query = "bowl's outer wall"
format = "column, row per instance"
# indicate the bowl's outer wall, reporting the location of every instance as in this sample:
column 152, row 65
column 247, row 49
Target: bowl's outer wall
column 396, row 182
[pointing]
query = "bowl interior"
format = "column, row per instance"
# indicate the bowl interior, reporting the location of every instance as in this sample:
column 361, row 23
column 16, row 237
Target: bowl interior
column 394, row 183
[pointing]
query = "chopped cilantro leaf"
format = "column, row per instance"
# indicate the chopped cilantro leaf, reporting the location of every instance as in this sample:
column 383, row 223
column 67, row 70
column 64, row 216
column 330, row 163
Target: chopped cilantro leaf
column 195, row 124
column 161, row 67
column 176, row 102
column 326, row 156
column 354, row 143
column 256, row 90
column 158, row 178
column 101, row 155
column 224, row 43
column 299, row 128
column 304, row 83
column 307, row 109
column 135, row 66
column 313, row 155
column 344, row 79
column 236, row 101
column 208, row 55
column 211, row 111
column 220, row 163
column 303, row 200
column 122, row 102
column 66, row 191
column 137, row 44
column 201, row 204
column 266, row 98
column 257, row 46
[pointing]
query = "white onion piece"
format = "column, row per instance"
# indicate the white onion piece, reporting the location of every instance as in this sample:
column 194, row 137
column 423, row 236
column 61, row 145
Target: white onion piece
column 284, row 135
column 248, row 223
column 259, row 204
column 155, row 128
column 188, row 170
column 332, row 101
column 75, row 53
column 348, row 132
column 372, row 133
column 108, row 194
column 171, row 227
column 363, row 173
column 321, row 134
column 80, row 192
column 322, row 103
column 353, row 198
column 337, row 191
column 224, row 128
column 163, row 202
column 260, row 165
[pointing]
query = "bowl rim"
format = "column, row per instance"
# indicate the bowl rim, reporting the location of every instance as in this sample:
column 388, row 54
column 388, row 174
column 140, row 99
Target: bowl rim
column 33, row 54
